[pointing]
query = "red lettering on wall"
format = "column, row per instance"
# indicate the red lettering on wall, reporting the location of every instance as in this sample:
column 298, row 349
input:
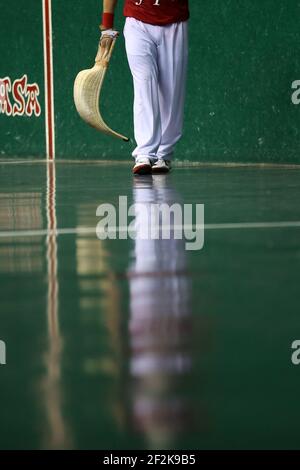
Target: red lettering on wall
column 5, row 104
column 32, row 102
column 18, row 91
column 24, row 94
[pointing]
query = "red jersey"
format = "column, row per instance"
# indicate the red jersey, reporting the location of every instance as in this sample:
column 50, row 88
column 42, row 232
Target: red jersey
column 157, row 12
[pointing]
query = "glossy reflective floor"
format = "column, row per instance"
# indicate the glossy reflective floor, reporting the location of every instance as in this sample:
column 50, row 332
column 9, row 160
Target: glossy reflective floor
column 141, row 344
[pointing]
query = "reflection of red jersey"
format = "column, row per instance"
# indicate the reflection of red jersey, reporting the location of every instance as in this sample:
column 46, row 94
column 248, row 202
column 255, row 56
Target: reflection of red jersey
column 158, row 12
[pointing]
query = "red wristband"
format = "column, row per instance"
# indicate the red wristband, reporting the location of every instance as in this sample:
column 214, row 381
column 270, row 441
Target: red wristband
column 108, row 20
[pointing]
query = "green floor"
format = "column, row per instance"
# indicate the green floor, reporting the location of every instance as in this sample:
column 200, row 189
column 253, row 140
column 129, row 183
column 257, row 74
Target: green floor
column 113, row 345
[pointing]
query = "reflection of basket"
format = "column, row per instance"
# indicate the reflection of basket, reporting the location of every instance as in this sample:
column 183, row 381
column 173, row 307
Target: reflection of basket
column 88, row 85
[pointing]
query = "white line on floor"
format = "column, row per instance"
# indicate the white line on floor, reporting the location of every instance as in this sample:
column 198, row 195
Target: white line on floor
column 177, row 164
column 92, row 230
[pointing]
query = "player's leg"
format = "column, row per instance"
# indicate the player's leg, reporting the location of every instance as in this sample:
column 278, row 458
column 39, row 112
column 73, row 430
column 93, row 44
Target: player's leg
column 141, row 51
column 172, row 62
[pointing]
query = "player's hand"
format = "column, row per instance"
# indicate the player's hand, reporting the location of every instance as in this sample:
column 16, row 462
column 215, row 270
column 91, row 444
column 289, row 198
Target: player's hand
column 112, row 33
column 107, row 36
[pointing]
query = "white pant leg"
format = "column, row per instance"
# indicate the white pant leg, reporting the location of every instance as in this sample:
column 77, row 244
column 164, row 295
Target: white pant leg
column 172, row 64
column 141, row 49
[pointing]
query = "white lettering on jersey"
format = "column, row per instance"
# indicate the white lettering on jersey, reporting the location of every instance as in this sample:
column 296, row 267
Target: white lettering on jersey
column 156, row 4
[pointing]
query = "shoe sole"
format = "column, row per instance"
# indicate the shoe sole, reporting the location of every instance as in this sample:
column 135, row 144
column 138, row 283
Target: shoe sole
column 160, row 171
column 142, row 170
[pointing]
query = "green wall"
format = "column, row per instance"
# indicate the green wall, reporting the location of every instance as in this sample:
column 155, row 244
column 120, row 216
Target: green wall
column 244, row 56
column 21, row 52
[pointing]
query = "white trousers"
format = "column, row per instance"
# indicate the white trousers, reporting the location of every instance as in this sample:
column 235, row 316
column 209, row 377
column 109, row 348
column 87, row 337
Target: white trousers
column 157, row 57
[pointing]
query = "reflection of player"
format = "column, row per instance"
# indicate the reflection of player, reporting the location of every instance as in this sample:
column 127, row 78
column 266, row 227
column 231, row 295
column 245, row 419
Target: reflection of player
column 157, row 47
column 160, row 324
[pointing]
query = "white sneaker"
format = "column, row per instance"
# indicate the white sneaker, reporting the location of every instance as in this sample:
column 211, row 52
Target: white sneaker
column 161, row 166
column 142, row 166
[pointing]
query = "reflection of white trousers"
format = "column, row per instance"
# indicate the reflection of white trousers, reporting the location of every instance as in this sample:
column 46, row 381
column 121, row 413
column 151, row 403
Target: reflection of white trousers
column 157, row 57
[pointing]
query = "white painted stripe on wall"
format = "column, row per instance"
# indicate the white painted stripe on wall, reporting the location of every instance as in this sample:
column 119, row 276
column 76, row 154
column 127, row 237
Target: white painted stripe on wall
column 48, row 79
